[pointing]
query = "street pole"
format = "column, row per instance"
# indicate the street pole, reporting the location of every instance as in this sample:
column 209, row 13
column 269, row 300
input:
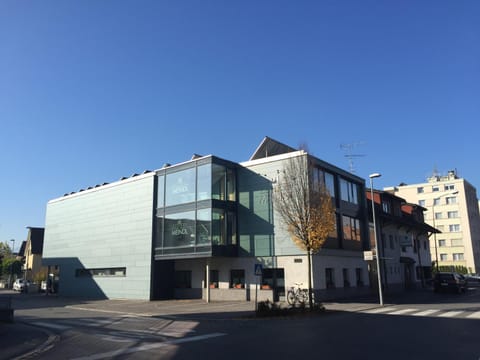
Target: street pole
column 377, row 254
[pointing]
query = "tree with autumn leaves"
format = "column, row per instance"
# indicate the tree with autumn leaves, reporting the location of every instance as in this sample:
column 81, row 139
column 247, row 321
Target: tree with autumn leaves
column 306, row 208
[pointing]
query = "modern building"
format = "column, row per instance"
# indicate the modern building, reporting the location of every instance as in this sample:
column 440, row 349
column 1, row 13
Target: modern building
column 452, row 208
column 404, row 248
column 206, row 228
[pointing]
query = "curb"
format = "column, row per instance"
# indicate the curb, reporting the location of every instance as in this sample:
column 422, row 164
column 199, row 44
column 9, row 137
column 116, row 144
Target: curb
column 47, row 345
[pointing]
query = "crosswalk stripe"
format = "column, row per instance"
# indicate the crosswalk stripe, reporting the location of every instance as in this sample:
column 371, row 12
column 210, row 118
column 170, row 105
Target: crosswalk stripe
column 475, row 315
column 379, row 310
column 402, row 311
column 426, row 312
column 449, row 314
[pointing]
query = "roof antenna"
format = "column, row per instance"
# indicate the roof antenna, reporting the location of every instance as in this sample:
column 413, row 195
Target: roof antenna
column 348, row 148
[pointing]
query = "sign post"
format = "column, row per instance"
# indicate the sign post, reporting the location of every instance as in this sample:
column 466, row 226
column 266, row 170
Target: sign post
column 258, row 270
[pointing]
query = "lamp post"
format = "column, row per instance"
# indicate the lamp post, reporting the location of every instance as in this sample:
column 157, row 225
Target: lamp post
column 433, row 219
column 13, row 246
column 377, row 254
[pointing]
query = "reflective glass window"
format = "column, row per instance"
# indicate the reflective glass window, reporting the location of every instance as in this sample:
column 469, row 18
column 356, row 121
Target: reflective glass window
column 204, row 224
column 218, row 182
column 159, row 237
column 180, row 187
column 231, row 228
column 330, row 184
column 204, row 182
column 231, row 185
column 348, row 191
column 218, row 227
column 161, row 191
column 179, row 230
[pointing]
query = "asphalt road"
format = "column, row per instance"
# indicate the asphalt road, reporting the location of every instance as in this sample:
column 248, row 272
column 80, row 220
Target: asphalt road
column 419, row 325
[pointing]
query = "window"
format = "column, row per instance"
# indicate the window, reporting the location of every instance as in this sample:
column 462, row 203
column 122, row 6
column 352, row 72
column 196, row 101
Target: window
column 351, row 232
column 218, row 227
column 330, row 278
column 443, row 257
column 442, row 243
column 180, row 187
column 386, row 206
column 454, row 228
column 320, row 177
column 274, row 279
column 237, row 279
column 420, row 190
column 452, row 214
column 330, row 184
column 449, row 187
column 457, row 242
column 161, row 192
column 231, row 185
column 115, row 272
column 348, row 191
column 451, row 200
column 435, row 188
column 218, row 182
column 204, row 182
column 180, row 230
column 183, row 279
column 421, row 203
column 213, row 279
column 458, row 257
column 436, row 201
column 204, row 222
column 438, row 215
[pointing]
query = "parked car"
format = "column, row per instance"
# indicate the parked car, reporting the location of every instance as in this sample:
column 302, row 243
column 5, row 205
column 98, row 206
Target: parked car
column 449, row 281
column 19, row 284
column 473, row 279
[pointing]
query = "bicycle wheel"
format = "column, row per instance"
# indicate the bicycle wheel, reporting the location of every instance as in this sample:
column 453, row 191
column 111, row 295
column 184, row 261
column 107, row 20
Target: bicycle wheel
column 303, row 296
column 291, row 297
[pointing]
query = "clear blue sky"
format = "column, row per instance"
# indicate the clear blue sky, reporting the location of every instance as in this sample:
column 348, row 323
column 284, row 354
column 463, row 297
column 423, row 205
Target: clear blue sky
column 91, row 90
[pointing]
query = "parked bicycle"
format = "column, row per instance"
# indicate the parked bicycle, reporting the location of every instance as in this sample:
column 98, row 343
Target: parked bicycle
column 296, row 295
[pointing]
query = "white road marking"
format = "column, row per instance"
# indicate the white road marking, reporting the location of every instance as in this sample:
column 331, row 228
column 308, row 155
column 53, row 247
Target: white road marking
column 450, row 314
column 402, row 311
column 379, row 310
column 426, row 312
column 146, row 347
column 475, row 315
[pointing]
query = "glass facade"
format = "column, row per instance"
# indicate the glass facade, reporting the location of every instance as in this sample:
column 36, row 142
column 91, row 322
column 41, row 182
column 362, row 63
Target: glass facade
column 196, row 209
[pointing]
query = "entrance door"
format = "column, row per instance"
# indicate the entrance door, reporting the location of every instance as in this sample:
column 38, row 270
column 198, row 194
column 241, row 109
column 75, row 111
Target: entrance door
column 163, row 280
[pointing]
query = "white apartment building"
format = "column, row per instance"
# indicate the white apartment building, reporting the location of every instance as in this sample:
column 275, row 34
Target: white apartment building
column 452, row 208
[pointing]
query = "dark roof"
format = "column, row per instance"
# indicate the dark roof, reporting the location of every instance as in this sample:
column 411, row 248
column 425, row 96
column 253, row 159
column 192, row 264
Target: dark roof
column 21, row 251
column 269, row 147
column 36, row 239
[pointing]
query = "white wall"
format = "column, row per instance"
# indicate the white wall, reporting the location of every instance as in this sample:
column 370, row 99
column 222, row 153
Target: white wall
column 105, row 227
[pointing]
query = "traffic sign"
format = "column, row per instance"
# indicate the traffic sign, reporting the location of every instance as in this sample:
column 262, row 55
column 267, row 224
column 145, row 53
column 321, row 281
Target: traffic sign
column 258, row 269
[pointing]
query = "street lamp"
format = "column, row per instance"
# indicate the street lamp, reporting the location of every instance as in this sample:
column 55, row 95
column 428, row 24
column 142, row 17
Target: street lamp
column 13, row 246
column 433, row 219
column 377, row 254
